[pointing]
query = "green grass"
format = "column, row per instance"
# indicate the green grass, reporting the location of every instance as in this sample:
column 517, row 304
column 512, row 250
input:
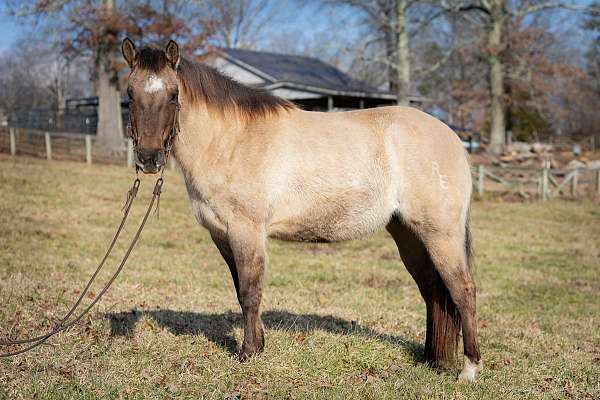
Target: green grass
column 342, row 321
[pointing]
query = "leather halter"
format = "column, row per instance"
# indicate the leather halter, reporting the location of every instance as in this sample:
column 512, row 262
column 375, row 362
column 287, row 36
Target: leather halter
column 168, row 144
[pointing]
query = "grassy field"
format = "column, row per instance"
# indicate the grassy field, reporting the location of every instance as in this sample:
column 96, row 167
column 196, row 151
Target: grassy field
column 342, row 320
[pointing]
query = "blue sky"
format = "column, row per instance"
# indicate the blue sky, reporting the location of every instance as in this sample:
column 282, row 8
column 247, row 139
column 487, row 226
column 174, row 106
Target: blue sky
column 9, row 31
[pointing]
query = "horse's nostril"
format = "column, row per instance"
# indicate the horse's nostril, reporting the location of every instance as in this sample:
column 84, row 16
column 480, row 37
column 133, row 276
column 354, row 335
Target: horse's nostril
column 160, row 158
column 147, row 156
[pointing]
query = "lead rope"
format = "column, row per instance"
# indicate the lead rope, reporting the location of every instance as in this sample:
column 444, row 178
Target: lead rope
column 131, row 194
column 168, row 148
column 62, row 324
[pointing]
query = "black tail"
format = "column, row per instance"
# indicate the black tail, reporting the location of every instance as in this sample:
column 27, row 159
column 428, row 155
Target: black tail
column 468, row 238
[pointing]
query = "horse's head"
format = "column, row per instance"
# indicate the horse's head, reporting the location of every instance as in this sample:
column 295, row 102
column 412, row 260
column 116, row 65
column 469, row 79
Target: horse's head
column 153, row 102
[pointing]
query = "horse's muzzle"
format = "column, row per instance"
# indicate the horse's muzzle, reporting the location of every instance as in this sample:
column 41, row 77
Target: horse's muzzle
column 150, row 161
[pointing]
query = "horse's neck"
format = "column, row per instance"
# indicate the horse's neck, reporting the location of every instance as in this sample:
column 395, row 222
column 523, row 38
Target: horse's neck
column 204, row 141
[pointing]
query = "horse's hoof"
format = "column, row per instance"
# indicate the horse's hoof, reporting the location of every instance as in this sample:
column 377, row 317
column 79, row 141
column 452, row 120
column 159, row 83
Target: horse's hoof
column 470, row 370
column 245, row 355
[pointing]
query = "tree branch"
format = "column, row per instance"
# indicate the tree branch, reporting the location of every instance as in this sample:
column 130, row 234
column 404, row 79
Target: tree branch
column 465, row 7
column 424, row 72
column 551, row 5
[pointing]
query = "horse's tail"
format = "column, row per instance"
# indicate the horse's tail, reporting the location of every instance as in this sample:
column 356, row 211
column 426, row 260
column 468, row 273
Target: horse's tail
column 443, row 327
column 442, row 344
column 468, row 238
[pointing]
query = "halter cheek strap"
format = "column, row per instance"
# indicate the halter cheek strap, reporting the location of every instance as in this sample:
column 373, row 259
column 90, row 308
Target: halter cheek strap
column 174, row 131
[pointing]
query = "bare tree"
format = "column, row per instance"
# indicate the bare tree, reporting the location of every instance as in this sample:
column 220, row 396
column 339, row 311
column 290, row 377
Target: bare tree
column 34, row 75
column 241, row 23
column 110, row 123
column 393, row 25
column 497, row 16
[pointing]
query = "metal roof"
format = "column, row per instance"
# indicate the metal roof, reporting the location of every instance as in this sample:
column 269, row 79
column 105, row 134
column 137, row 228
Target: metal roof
column 294, row 69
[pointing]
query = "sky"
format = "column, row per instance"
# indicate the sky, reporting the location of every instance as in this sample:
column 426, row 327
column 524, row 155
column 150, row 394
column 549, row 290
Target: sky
column 9, row 31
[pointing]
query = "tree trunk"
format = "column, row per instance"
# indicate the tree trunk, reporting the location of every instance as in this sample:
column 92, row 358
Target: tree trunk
column 403, row 70
column 390, row 50
column 110, row 124
column 496, row 76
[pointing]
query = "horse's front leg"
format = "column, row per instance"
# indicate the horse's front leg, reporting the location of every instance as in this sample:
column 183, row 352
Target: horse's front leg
column 248, row 245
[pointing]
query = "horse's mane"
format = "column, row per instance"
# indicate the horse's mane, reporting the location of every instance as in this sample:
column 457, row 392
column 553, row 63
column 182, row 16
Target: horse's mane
column 203, row 83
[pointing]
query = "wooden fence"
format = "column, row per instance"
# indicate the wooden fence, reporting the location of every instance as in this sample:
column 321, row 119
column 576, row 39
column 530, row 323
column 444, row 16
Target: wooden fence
column 64, row 146
column 527, row 183
column 530, row 183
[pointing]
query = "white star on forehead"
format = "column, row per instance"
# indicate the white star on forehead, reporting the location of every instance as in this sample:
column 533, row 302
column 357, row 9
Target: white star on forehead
column 154, row 84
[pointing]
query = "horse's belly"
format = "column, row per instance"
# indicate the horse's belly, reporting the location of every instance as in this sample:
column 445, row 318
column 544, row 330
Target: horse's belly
column 335, row 219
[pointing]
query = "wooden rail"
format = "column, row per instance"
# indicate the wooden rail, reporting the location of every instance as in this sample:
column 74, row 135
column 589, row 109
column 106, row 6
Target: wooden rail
column 65, row 146
column 530, row 182
column 542, row 183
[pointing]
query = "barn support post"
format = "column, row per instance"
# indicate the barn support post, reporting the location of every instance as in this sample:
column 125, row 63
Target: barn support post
column 574, row 182
column 480, row 178
column 129, row 152
column 88, row 149
column 13, row 142
column 329, row 103
column 48, row 146
column 544, row 184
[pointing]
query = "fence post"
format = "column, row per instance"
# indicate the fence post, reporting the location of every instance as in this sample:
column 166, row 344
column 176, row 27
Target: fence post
column 88, row 149
column 480, row 178
column 574, row 182
column 130, row 152
column 593, row 143
column 544, row 184
column 598, row 181
column 13, row 142
column 48, row 145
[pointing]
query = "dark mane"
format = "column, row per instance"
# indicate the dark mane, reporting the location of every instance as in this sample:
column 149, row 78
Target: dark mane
column 204, row 83
column 151, row 59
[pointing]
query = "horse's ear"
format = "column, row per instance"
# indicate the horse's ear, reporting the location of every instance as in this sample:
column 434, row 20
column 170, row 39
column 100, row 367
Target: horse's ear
column 172, row 52
column 129, row 51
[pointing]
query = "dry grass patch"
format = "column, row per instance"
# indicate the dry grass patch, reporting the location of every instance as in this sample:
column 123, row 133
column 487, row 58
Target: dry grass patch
column 342, row 321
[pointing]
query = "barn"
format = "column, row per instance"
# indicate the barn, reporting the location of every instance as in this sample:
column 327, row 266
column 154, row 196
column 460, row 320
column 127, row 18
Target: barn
column 308, row 82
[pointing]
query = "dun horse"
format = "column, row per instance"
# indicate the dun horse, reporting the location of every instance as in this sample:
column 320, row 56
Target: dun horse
column 257, row 167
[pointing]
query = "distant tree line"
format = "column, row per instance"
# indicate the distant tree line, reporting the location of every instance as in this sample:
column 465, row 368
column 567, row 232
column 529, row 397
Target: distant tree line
column 89, row 32
column 493, row 65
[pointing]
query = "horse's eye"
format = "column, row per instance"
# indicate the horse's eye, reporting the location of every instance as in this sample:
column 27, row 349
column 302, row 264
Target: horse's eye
column 173, row 98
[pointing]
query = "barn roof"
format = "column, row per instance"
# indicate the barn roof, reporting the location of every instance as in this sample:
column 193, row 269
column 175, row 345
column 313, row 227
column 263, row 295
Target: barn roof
column 303, row 70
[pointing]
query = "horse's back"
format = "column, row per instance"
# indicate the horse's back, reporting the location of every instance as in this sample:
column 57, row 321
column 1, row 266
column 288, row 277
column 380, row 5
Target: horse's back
column 343, row 175
column 434, row 180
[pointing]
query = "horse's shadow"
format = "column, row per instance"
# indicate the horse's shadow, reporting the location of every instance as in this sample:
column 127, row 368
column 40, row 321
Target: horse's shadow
column 218, row 328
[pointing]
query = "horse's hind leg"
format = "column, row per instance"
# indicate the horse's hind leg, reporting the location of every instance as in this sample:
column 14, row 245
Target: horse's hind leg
column 450, row 257
column 443, row 321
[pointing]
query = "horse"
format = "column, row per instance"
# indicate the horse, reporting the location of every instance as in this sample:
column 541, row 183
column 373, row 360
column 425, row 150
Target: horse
column 256, row 167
